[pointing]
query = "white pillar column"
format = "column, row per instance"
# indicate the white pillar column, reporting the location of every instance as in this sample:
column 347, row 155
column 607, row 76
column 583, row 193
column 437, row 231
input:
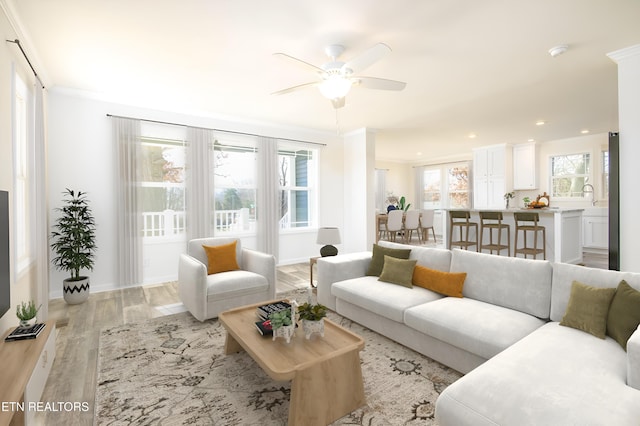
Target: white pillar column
column 628, row 61
column 359, row 190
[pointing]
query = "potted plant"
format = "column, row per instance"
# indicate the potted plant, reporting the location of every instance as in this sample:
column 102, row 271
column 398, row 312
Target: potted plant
column 402, row 204
column 312, row 317
column 26, row 313
column 526, row 201
column 508, row 196
column 282, row 325
column 73, row 242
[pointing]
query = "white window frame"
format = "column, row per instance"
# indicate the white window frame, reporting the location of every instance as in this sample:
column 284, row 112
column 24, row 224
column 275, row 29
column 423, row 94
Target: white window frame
column 443, row 169
column 311, row 187
column 24, row 171
column 587, row 176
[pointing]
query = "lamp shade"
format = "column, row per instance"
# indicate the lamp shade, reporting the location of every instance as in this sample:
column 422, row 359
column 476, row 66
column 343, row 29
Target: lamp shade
column 328, row 237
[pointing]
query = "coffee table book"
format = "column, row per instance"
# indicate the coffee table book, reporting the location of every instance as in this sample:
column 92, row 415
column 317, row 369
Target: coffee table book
column 264, row 311
column 22, row 333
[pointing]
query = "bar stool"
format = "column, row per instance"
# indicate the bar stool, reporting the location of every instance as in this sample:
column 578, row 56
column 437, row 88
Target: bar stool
column 460, row 219
column 529, row 223
column 493, row 221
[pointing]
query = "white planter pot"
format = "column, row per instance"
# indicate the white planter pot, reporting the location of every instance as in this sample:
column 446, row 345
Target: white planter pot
column 75, row 292
column 311, row 327
column 286, row 331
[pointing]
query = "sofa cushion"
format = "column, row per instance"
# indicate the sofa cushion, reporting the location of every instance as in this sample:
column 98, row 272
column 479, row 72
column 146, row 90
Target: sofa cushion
column 221, row 258
column 477, row 327
column 446, row 283
column 234, row 283
column 515, row 283
column 554, row 376
column 588, row 308
column 397, row 271
column 624, row 313
column 434, row 258
column 565, row 274
column 377, row 258
column 385, row 299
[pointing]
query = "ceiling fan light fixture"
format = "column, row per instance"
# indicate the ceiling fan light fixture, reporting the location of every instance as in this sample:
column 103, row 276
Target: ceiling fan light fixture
column 335, row 87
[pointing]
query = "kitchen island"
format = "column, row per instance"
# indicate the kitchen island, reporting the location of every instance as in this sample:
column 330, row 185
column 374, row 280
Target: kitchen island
column 563, row 231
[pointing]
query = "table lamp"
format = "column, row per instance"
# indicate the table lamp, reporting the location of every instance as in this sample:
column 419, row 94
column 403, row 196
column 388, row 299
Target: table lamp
column 328, row 237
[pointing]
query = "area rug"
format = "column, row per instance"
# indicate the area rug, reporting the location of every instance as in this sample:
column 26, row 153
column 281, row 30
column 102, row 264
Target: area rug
column 172, row 371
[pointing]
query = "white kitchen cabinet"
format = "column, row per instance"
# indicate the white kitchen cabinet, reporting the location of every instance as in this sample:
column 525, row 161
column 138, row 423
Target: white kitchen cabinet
column 492, row 177
column 595, row 229
column 525, row 166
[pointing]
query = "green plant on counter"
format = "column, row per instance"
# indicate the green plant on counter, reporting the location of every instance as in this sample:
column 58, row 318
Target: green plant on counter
column 312, row 312
column 27, row 311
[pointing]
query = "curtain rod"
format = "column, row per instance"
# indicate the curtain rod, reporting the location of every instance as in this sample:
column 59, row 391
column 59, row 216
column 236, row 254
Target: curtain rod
column 16, row 41
column 208, row 128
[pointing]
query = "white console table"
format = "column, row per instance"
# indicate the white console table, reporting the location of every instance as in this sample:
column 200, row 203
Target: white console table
column 25, row 368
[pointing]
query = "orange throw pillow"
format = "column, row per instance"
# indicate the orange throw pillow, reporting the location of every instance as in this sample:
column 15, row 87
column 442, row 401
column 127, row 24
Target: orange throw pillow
column 222, row 258
column 447, row 283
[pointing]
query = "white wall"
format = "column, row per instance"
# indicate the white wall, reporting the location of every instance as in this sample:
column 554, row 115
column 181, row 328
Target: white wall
column 400, row 179
column 82, row 157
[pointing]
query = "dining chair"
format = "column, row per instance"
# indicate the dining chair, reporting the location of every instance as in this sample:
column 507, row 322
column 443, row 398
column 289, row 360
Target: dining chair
column 426, row 223
column 412, row 223
column 394, row 223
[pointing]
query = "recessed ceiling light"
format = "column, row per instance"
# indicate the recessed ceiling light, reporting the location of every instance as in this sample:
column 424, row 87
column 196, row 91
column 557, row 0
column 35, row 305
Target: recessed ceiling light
column 584, row 131
column 531, row 140
column 472, row 135
column 540, row 123
column 418, row 153
column 558, row 50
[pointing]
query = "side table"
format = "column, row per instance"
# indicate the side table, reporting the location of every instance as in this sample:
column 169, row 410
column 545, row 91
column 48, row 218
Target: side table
column 312, row 261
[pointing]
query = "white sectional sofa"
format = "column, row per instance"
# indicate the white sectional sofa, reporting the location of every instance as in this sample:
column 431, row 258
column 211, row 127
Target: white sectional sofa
column 522, row 366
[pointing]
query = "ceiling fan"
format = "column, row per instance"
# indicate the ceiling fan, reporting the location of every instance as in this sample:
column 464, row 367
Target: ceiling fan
column 335, row 78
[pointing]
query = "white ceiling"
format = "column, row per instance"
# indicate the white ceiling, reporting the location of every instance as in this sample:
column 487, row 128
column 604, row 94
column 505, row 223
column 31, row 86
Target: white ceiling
column 471, row 66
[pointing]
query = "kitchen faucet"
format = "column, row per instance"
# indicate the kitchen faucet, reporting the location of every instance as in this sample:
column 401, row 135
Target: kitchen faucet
column 590, row 190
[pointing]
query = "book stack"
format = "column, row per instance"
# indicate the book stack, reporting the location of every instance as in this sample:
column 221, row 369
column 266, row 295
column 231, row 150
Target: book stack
column 263, row 312
column 22, row 333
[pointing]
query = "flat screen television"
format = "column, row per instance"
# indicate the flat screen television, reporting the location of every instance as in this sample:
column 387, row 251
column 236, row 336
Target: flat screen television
column 5, row 276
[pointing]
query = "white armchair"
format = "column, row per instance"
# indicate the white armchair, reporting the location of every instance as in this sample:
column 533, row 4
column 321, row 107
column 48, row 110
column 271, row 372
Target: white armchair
column 205, row 296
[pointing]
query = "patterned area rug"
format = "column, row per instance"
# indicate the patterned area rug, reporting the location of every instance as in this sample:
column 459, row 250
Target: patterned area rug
column 172, row 371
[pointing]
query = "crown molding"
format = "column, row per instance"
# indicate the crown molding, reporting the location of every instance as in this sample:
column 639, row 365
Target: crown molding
column 626, row 53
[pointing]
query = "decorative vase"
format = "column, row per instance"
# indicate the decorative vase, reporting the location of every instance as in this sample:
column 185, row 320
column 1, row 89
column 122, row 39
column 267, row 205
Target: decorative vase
column 507, row 204
column 309, row 327
column 27, row 323
column 286, row 331
column 77, row 291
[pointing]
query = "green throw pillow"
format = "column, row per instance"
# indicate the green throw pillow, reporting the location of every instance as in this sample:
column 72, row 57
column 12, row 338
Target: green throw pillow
column 377, row 260
column 588, row 308
column 398, row 271
column 624, row 313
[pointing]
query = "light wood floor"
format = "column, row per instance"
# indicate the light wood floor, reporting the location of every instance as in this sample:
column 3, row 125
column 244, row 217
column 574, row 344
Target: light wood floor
column 73, row 375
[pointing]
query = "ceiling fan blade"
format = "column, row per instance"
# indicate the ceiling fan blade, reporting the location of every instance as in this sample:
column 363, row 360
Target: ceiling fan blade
column 379, row 83
column 300, row 62
column 338, row 102
column 366, row 59
column 294, row 88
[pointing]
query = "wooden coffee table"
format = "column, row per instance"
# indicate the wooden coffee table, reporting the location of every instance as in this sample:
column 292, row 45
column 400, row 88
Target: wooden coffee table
column 325, row 373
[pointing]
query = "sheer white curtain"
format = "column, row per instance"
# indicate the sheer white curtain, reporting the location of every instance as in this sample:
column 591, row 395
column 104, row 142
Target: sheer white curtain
column 381, row 189
column 126, row 134
column 268, row 196
column 198, row 182
column 40, row 184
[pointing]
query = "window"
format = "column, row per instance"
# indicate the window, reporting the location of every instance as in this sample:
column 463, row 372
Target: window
column 162, row 189
column 569, row 174
column 445, row 186
column 23, row 168
column 297, row 175
column 235, row 164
